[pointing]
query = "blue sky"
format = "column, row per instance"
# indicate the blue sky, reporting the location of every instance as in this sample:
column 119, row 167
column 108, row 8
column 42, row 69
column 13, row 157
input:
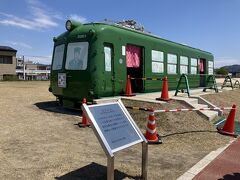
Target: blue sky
column 211, row 25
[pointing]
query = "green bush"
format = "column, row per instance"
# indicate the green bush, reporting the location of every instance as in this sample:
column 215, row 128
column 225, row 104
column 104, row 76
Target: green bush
column 221, row 71
column 10, row 77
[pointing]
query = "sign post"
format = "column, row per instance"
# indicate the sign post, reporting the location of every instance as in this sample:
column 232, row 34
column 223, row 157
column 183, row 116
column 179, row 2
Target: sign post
column 115, row 130
column 110, row 168
column 144, row 160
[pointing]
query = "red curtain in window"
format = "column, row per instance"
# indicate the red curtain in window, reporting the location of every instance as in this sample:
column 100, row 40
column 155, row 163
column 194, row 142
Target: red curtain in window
column 133, row 56
column 201, row 65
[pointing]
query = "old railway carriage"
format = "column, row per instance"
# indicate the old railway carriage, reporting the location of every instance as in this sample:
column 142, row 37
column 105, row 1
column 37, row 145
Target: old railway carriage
column 93, row 60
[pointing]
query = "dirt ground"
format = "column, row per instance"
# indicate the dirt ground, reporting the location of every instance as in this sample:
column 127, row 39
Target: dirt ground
column 226, row 99
column 39, row 140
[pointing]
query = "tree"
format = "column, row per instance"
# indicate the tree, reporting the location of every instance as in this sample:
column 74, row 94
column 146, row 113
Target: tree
column 221, row 71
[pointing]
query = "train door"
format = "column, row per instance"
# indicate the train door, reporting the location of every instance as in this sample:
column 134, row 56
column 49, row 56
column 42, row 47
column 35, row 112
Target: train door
column 109, row 77
column 202, row 70
column 134, row 62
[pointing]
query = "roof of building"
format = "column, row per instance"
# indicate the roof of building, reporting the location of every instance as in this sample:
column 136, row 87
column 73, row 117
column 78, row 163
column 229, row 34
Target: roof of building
column 7, row 48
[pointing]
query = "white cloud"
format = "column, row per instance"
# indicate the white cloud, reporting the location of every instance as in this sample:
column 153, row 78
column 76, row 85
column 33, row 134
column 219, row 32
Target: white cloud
column 225, row 61
column 78, row 18
column 40, row 17
column 22, row 44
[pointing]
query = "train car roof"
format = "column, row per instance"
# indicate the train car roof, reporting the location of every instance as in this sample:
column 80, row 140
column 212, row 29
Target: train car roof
column 151, row 35
column 143, row 33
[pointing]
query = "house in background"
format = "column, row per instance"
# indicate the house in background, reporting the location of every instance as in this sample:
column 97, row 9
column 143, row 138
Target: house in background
column 28, row 70
column 7, row 61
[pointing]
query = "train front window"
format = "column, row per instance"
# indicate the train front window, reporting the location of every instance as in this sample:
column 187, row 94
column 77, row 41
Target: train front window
column 77, row 56
column 58, row 57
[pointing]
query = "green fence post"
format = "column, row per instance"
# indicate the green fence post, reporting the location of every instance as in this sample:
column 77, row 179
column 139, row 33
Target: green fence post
column 211, row 83
column 237, row 84
column 226, row 80
column 183, row 77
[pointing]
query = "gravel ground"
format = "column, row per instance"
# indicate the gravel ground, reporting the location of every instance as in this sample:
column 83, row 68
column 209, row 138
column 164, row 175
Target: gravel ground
column 39, row 140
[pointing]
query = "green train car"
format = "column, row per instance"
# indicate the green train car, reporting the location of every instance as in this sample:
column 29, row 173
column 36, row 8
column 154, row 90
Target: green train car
column 93, row 60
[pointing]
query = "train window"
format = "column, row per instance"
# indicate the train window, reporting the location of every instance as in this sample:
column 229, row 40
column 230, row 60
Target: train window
column 183, row 65
column 194, row 64
column 124, row 50
column 108, row 58
column 77, row 56
column 193, row 70
column 58, row 57
column 184, row 60
column 210, row 67
column 210, row 64
column 157, row 62
column 157, row 56
column 172, row 63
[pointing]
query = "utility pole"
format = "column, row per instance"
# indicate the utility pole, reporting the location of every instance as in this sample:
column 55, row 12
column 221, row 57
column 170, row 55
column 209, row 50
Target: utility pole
column 24, row 77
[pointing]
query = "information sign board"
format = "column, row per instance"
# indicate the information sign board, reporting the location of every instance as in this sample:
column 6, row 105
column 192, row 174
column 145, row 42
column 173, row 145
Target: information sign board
column 113, row 126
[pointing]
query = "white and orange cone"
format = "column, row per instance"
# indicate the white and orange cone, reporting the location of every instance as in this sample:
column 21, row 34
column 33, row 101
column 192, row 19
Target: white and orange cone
column 128, row 89
column 164, row 95
column 228, row 128
column 151, row 132
column 85, row 122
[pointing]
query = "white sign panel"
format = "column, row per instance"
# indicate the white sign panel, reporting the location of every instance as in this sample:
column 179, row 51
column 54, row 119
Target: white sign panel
column 113, row 126
column 62, row 80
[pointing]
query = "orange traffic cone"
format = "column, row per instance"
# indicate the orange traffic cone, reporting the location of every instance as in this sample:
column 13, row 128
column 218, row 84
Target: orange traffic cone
column 228, row 128
column 151, row 132
column 164, row 95
column 128, row 89
column 85, row 121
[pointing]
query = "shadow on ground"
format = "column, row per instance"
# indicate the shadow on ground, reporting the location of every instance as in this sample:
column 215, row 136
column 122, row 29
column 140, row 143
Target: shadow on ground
column 93, row 171
column 53, row 106
column 234, row 176
column 188, row 132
